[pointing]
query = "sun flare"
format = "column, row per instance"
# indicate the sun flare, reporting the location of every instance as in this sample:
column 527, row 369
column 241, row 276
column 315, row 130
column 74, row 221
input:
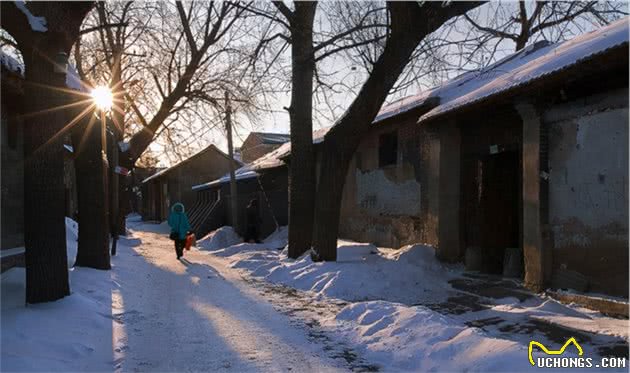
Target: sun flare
column 103, row 97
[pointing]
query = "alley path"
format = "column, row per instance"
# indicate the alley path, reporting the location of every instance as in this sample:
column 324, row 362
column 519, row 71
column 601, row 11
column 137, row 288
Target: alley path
column 196, row 314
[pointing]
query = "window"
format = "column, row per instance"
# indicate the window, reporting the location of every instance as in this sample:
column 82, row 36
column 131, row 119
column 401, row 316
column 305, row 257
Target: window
column 388, row 149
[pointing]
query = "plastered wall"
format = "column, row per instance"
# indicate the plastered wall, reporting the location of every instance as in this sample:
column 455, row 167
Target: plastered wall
column 390, row 205
column 588, row 188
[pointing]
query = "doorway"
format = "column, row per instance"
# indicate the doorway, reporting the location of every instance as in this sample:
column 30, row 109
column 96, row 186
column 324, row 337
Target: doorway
column 491, row 203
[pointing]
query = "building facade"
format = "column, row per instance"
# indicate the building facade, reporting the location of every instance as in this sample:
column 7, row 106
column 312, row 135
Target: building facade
column 175, row 183
column 535, row 171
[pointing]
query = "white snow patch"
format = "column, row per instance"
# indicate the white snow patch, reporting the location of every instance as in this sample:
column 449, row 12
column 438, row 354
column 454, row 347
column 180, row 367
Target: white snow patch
column 73, row 80
column 71, row 334
column 72, row 236
column 361, row 272
column 37, row 23
column 11, row 63
column 417, row 339
column 219, row 239
column 278, row 239
column 387, row 326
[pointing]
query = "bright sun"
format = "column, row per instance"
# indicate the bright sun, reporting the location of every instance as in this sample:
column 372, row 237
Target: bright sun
column 103, row 97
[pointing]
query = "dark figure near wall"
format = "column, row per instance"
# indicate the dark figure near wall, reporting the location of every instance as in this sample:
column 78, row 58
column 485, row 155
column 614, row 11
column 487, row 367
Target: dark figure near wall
column 253, row 222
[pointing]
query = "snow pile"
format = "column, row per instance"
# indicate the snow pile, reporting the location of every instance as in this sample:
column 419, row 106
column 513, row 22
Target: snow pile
column 72, row 334
column 417, row 339
column 219, row 239
column 11, row 63
column 37, row 23
column 72, row 236
column 73, row 80
column 278, row 239
column 361, row 272
column 407, row 316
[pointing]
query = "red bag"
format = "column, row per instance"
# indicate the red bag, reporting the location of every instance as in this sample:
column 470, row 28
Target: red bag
column 190, row 238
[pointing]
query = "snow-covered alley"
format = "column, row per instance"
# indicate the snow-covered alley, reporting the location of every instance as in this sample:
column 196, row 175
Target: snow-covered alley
column 196, row 314
column 155, row 313
column 230, row 306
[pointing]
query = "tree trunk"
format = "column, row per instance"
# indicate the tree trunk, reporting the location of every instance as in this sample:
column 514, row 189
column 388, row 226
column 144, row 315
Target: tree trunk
column 92, row 192
column 333, row 169
column 114, row 200
column 302, row 165
column 118, row 126
column 343, row 139
column 123, row 205
column 44, row 195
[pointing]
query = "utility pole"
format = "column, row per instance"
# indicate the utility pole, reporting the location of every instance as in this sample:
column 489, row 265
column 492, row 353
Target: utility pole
column 116, row 184
column 233, row 192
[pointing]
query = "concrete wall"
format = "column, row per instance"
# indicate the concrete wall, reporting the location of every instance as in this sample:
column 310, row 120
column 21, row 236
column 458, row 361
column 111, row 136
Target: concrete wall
column 588, row 188
column 390, row 205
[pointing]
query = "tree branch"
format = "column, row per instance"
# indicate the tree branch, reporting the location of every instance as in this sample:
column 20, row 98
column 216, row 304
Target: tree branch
column 185, row 21
column 286, row 12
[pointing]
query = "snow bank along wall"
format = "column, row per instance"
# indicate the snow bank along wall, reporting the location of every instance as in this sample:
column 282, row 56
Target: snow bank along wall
column 588, row 188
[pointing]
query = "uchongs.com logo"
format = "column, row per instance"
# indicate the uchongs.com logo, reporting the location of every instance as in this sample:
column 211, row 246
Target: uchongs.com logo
column 555, row 358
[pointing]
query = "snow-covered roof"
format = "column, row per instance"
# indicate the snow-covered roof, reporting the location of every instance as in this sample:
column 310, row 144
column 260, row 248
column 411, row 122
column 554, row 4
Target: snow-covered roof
column 240, row 174
column 534, row 62
column 272, row 138
column 268, row 161
column 210, row 147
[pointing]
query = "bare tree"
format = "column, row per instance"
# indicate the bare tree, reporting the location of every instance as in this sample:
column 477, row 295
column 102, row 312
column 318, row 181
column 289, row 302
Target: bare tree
column 310, row 46
column 100, row 209
column 44, row 31
column 164, row 63
column 183, row 81
column 410, row 22
column 302, row 166
column 487, row 28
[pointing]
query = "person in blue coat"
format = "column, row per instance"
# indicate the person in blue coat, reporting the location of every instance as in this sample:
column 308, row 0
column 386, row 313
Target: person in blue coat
column 178, row 221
